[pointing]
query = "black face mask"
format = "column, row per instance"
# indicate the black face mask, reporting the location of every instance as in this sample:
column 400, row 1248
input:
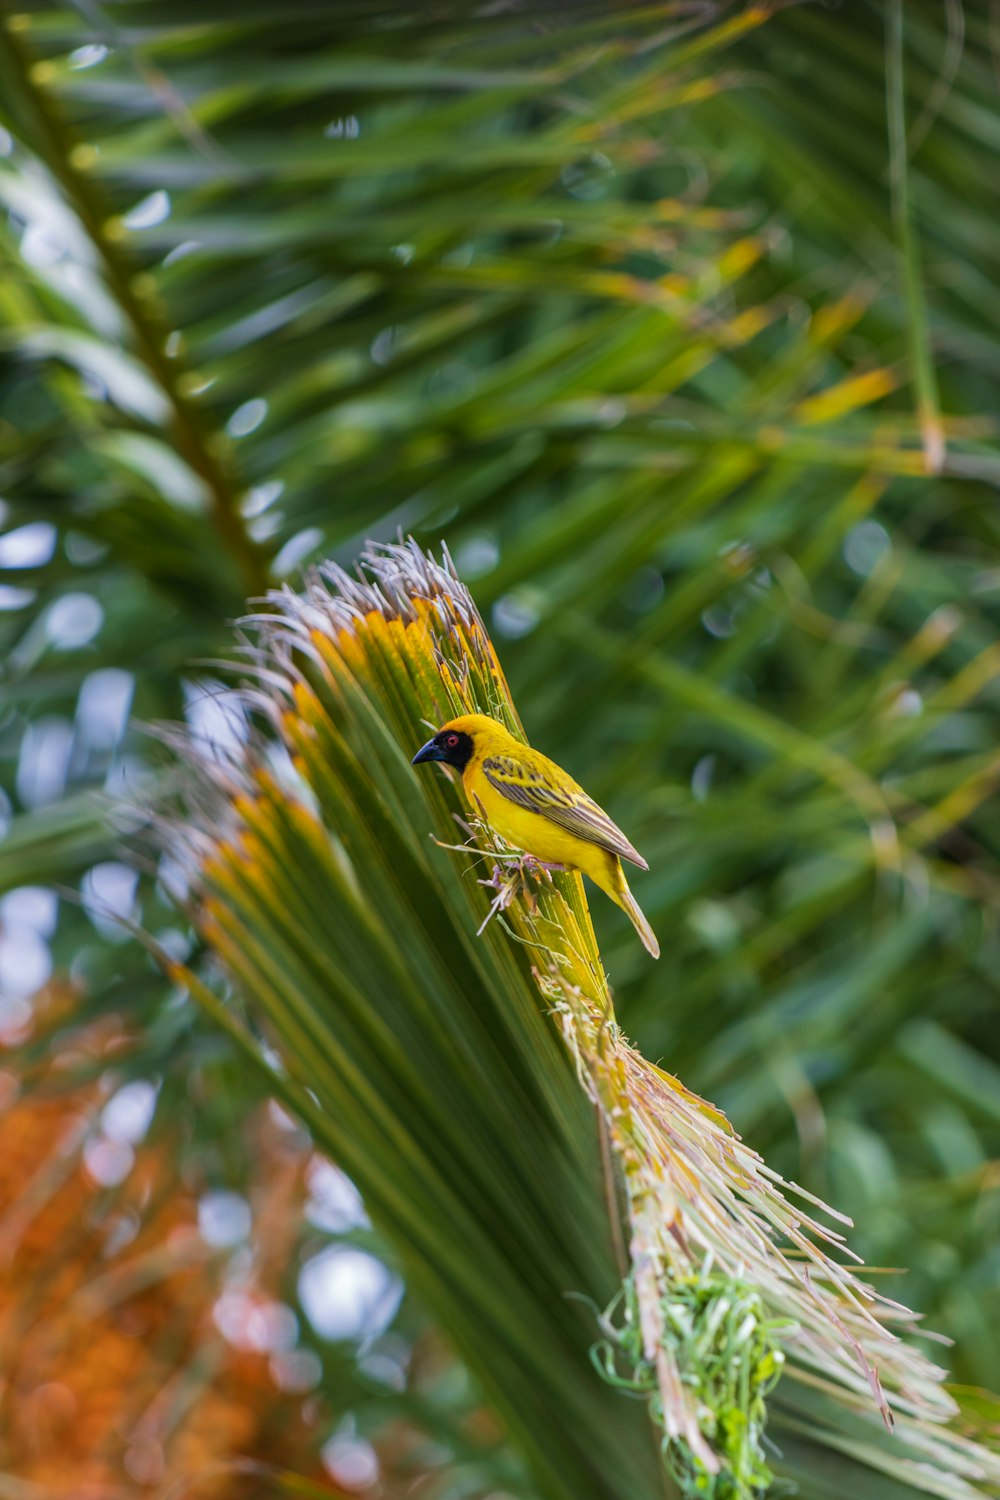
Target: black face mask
column 450, row 747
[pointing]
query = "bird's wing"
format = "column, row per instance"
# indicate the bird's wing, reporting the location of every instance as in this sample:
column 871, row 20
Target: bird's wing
column 568, row 806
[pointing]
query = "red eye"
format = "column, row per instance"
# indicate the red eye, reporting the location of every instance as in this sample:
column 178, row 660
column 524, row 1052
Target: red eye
column 452, row 741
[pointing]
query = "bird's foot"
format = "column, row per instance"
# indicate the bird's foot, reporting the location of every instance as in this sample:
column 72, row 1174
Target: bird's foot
column 538, row 867
column 538, row 870
column 511, row 879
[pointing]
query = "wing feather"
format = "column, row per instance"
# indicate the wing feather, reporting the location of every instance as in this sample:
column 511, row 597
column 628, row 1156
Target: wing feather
column 564, row 804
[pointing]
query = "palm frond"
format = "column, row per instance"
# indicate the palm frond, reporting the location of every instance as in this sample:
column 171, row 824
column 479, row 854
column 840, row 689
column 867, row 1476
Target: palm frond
column 296, row 887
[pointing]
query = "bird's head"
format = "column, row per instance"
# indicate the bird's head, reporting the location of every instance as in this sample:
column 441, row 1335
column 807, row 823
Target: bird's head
column 455, row 742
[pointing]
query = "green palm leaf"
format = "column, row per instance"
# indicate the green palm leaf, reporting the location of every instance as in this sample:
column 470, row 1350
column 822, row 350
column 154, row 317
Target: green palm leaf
column 319, row 893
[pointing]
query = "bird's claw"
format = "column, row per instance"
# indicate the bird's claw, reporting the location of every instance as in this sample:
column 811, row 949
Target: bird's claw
column 510, row 881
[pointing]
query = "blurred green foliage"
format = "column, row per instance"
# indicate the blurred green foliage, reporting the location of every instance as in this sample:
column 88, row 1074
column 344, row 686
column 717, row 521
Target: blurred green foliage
column 617, row 303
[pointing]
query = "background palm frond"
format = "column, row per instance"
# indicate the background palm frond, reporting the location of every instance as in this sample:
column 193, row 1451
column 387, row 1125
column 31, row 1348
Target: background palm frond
column 613, row 302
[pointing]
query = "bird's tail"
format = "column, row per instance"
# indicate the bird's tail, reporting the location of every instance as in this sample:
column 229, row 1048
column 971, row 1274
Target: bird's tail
column 610, row 876
column 634, row 912
column 636, row 916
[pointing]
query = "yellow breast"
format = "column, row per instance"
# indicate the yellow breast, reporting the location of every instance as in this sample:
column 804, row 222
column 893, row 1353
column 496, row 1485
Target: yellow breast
column 528, row 830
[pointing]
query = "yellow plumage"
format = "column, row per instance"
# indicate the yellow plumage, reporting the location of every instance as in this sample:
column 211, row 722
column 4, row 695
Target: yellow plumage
column 535, row 806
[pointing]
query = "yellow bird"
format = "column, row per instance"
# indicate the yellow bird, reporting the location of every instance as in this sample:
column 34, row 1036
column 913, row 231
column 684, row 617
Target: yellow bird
column 535, row 806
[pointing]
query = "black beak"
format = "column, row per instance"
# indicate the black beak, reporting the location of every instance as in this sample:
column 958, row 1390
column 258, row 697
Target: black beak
column 430, row 751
